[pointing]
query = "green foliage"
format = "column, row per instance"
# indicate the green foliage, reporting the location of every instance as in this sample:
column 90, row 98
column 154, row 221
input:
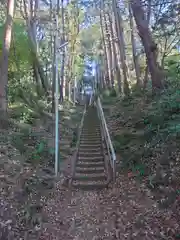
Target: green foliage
column 164, row 113
column 139, row 170
column 162, row 117
column 155, row 123
column 19, row 67
column 23, row 113
column 20, row 51
column 123, row 139
column 18, row 143
column 89, row 40
column 40, row 151
column 172, row 66
column 28, row 117
column 79, row 67
column 109, row 97
column 31, row 147
column 113, row 93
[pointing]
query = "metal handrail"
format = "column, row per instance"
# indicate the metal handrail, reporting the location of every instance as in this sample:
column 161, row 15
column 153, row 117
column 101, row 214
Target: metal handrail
column 77, row 144
column 109, row 145
column 90, row 101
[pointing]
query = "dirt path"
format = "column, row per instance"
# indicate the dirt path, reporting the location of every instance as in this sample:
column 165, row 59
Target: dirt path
column 125, row 211
column 80, row 215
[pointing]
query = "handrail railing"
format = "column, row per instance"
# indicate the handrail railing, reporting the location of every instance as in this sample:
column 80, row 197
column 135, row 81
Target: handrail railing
column 90, row 101
column 77, row 144
column 109, row 145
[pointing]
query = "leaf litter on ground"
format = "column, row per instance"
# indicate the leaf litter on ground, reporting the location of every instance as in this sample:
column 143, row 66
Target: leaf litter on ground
column 25, row 185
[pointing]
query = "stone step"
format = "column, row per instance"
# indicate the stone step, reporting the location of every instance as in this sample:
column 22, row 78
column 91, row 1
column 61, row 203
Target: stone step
column 92, row 114
column 91, row 136
column 90, row 164
column 90, row 185
column 91, row 133
column 90, row 124
column 90, row 146
column 90, row 159
column 90, row 176
column 86, row 136
column 92, row 154
column 91, row 130
column 89, row 142
column 90, row 169
column 92, row 117
column 89, row 150
column 92, row 120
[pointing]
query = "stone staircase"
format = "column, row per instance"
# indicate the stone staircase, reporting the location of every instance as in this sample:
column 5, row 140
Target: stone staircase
column 90, row 171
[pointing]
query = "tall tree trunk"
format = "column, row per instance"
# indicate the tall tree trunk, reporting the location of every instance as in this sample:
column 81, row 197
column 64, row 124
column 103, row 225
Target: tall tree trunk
column 146, row 74
column 5, row 55
column 157, row 75
column 102, row 63
column 36, row 62
column 109, row 49
column 118, row 62
column 101, row 77
column 69, row 91
column 51, row 53
column 32, row 9
column 135, row 56
column 54, row 61
column 63, row 53
column 75, row 90
column 115, row 51
column 33, row 20
column 121, row 43
column 106, row 60
column 145, row 81
column 75, row 28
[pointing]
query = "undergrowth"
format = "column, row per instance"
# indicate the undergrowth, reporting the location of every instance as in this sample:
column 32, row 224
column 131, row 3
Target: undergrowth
column 146, row 134
column 28, row 138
